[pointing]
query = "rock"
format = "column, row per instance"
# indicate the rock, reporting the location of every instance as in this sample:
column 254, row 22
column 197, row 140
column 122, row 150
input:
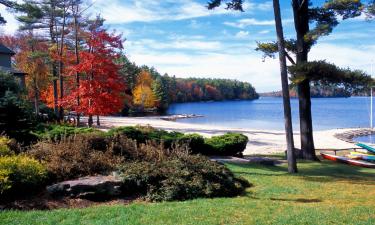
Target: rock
column 93, row 187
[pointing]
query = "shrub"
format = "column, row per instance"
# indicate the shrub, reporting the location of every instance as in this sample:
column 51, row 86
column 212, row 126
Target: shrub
column 21, row 174
column 142, row 134
column 195, row 142
column 57, row 131
column 76, row 156
column 4, row 147
column 129, row 132
column 227, row 144
column 180, row 178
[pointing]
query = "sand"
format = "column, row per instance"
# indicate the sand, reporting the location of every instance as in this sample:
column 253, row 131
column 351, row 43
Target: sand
column 260, row 141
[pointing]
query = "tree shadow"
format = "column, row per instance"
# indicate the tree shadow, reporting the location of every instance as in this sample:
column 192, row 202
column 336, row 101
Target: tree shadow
column 297, row 200
column 323, row 171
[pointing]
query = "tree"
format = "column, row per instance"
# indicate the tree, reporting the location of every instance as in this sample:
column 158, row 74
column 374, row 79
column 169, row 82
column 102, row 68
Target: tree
column 143, row 96
column 100, row 89
column 159, row 91
column 16, row 118
column 292, row 165
column 324, row 19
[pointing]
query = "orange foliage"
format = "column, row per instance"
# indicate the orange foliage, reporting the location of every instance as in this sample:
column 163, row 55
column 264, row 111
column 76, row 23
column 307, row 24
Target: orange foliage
column 142, row 94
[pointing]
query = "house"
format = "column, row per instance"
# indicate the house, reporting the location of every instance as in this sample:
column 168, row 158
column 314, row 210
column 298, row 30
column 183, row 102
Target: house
column 6, row 64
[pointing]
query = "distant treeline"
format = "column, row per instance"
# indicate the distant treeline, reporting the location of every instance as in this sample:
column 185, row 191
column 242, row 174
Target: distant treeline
column 319, row 91
column 148, row 90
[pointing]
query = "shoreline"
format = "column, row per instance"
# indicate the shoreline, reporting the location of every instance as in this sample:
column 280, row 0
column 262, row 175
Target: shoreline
column 261, row 141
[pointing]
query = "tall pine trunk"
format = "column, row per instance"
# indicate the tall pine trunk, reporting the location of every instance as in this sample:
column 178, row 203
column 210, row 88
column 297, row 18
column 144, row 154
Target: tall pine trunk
column 301, row 22
column 76, row 52
column 292, row 164
column 53, row 64
column 61, row 64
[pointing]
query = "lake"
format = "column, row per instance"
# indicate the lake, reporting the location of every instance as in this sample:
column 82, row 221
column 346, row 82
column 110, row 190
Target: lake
column 267, row 113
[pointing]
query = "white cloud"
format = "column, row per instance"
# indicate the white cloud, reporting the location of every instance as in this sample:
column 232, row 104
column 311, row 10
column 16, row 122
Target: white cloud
column 358, row 57
column 243, row 23
column 12, row 25
column 264, row 32
column 242, row 34
column 181, row 43
column 118, row 12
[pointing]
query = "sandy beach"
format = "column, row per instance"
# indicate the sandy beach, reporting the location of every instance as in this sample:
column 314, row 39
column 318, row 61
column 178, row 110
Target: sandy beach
column 260, row 141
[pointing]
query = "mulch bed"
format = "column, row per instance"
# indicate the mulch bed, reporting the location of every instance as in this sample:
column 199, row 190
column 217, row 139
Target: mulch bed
column 43, row 201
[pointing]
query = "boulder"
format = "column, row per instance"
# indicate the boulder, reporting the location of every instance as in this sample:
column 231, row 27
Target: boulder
column 92, row 187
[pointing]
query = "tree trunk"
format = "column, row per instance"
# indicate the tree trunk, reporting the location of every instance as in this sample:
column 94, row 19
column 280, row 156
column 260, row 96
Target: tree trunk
column 36, row 102
column 90, row 121
column 76, row 52
column 54, row 67
column 55, row 90
column 97, row 120
column 292, row 164
column 61, row 64
column 301, row 22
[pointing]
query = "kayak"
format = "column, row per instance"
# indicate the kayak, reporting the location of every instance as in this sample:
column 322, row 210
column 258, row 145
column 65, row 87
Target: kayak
column 349, row 161
column 368, row 148
column 364, row 151
column 357, row 155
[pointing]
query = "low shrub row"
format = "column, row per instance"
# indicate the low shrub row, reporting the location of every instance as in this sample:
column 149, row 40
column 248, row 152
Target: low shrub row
column 228, row 144
column 180, row 178
column 58, row 131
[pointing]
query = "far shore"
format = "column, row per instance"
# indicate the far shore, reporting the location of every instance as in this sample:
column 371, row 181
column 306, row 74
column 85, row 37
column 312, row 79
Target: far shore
column 260, row 141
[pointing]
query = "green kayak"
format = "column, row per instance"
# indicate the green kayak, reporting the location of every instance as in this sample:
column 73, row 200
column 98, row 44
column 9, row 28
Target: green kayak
column 368, row 148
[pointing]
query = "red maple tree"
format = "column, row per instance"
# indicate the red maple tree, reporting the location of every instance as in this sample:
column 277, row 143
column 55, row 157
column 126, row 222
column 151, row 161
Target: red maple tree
column 101, row 89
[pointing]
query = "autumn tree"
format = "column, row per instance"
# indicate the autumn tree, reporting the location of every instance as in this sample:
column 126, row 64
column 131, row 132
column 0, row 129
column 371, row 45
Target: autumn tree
column 100, row 89
column 143, row 96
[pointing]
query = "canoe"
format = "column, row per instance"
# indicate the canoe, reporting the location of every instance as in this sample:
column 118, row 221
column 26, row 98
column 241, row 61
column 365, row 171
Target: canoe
column 368, row 148
column 357, row 155
column 349, row 161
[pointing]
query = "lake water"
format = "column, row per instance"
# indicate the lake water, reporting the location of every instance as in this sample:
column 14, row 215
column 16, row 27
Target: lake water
column 267, row 113
column 366, row 139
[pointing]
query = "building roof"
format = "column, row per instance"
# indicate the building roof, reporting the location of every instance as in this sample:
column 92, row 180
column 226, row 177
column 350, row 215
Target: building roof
column 5, row 50
column 11, row 70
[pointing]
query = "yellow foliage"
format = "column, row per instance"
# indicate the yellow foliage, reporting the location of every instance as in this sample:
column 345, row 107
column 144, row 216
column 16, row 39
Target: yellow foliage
column 142, row 93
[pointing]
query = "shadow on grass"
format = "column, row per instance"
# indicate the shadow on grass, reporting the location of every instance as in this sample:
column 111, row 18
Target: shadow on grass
column 297, row 200
column 312, row 171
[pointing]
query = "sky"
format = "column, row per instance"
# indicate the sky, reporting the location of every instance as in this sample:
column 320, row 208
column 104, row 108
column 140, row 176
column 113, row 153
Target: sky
column 183, row 38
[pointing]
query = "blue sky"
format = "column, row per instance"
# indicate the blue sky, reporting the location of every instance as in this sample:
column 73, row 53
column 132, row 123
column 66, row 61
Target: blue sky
column 183, row 38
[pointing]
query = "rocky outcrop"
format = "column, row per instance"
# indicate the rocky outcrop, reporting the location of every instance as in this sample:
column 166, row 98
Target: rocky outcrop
column 93, row 187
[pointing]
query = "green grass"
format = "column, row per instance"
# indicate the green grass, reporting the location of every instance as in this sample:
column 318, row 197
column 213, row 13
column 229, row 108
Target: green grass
column 322, row 193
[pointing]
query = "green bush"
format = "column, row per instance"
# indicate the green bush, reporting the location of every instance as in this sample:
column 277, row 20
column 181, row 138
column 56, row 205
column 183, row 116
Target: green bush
column 57, row 131
column 130, row 132
column 142, row 134
column 227, row 144
column 21, row 174
column 231, row 144
column 180, row 178
column 195, row 142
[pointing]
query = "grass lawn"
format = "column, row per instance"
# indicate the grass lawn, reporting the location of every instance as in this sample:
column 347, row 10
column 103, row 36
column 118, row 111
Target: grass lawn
column 322, row 193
